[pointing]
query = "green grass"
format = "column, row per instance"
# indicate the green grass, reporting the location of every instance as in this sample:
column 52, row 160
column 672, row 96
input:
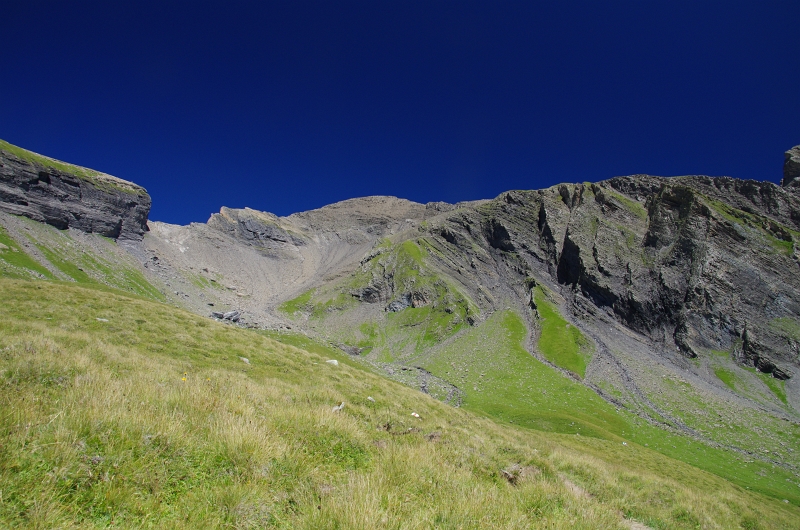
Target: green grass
column 726, row 376
column 776, row 385
column 503, row 381
column 560, row 342
column 152, row 420
column 15, row 262
column 88, row 175
column 629, row 204
column 391, row 336
column 295, row 305
column 85, row 264
column 782, row 245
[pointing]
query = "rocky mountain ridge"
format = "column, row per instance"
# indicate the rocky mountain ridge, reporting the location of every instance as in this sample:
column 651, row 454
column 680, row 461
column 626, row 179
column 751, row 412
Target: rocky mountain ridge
column 652, row 280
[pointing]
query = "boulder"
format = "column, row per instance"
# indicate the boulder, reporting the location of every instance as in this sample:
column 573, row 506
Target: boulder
column 233, row 316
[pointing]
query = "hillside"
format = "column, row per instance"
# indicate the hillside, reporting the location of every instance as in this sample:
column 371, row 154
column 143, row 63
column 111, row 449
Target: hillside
column 129, row 413
column 639, row 312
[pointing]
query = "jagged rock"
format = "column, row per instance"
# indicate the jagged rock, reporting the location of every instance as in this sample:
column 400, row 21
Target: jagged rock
column 791, row 168
column 68, row 196
column 371, row 294
column 398, row 305
column 777, row 373
column 256, row 228
column 350, row 350
column 233, row 316
column 218, row 314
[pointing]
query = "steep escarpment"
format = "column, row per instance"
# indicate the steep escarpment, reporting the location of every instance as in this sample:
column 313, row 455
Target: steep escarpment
column 698, row 263
column 69, row 196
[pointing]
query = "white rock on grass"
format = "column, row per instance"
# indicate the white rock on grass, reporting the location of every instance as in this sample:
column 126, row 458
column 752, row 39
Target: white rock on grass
column 334, row 362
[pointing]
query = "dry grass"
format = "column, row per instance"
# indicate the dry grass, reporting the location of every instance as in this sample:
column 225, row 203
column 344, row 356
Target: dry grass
column 152, row 420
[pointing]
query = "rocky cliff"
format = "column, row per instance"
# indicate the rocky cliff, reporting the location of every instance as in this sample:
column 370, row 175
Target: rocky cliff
column 65, row 195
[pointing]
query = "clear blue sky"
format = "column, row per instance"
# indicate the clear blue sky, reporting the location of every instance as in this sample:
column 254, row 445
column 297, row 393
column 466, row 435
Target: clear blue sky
column 287, row 106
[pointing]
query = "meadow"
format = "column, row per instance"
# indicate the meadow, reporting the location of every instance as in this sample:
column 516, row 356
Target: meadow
column 120, row 412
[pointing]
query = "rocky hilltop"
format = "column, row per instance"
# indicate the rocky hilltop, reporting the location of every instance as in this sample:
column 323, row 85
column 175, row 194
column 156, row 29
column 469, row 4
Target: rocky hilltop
column 65, row 195
column 691, row 262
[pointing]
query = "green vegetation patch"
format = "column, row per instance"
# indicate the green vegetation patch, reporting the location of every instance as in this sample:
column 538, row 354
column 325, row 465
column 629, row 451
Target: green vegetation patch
column 560, row 342
column 788, row 327
column 295, row 305
column 726, row 376
column 776, row 385
column 629, row 204
column 15, row 262
column 779, row 237
column 87, row 264
column 442, row 309
column 500, row 378
column 503, row 381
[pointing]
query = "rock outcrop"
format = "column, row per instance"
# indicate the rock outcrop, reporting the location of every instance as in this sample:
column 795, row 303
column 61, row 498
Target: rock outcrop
column 791, row 168
column 695, row 263
column 69, row 196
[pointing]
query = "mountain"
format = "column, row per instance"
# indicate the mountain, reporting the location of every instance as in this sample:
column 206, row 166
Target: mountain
column 661, row 311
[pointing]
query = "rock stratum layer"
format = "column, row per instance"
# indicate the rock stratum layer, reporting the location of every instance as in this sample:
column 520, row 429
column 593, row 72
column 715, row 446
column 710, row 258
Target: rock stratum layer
column 69, row 196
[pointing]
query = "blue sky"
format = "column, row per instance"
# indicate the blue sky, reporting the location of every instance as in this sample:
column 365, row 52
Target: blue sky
column 287, row 106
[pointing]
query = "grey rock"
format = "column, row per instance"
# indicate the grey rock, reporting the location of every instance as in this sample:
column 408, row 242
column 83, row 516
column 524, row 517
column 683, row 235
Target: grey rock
column 791, row 168
column 350, row 350
column 260, row 229
column 233, row 316
column 217, row 314
column 68, row 196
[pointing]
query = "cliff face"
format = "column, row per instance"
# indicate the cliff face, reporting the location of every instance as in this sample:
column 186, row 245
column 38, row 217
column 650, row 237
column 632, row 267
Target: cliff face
column 64, row 195
column 694, row 263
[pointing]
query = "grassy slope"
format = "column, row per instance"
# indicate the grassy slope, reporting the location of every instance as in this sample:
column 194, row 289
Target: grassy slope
column 151, row 419
column 16, row 263
column 504, row 381
column 561, row 343
column 101, row 264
